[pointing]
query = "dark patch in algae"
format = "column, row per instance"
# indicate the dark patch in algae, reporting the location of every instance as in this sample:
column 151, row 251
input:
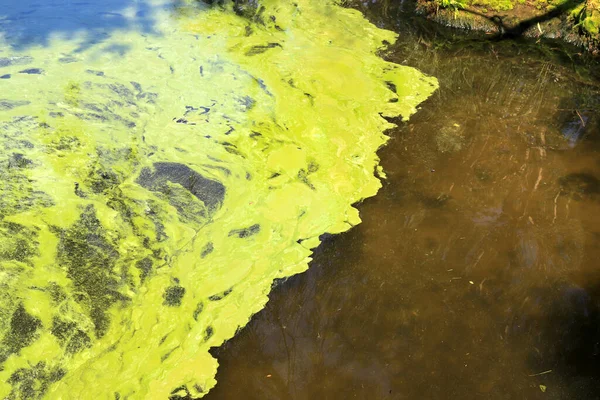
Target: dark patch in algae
column 6, row 105
column 19, row 242
column 32, row 71
column 209, row 248
column 245, row 232
column 220, row 296
column 173, row 296
column 100, row 180
column 259, row 49
column 208, row 333
column 198, row 310
column 23, row 332
column 33, row 383
column 69, row 335
column 145, row 267
column 90, row 260
column 210, row 192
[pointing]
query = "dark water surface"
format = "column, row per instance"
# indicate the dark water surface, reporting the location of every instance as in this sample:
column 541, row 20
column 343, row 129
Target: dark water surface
column 475, row 273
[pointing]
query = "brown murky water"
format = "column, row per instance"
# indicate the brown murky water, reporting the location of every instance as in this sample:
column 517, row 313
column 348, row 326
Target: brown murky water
column 476, row 271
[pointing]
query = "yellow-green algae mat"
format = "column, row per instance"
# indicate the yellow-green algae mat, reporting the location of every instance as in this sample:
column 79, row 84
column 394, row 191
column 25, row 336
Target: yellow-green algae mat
column 150, row 200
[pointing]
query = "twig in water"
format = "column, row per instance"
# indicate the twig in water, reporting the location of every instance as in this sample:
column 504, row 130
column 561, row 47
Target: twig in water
column 555, row 206
column 582, row 121
column 539, row 179
column 542, row 373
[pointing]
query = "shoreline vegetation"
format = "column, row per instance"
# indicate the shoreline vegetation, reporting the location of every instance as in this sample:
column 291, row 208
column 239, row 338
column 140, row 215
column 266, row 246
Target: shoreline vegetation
column 574, row 21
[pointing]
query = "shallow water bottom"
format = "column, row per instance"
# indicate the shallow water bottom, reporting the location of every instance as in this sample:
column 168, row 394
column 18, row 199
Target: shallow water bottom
column 475, row 273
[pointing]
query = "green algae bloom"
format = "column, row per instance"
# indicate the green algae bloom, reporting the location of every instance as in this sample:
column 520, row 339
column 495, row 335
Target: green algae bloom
column 150, row 199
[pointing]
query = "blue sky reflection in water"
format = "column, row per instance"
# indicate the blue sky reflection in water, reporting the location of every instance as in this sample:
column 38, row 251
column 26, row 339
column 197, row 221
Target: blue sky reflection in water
column 30, row 22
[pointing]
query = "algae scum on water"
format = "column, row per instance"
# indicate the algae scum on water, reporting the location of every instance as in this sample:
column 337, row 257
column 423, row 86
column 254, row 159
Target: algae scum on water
column 155, row 184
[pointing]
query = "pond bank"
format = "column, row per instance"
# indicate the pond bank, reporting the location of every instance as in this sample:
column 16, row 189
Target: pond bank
column 574, row 21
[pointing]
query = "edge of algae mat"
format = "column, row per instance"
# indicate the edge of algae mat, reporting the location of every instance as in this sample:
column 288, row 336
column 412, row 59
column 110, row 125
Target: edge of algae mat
column 149, row 201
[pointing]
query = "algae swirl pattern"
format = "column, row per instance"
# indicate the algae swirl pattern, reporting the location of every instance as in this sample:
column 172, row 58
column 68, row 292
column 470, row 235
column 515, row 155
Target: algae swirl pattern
column 151, row 196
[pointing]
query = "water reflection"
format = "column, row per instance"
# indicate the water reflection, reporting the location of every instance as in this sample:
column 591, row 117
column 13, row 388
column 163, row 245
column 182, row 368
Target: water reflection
column 27, row 23
column 475, row 272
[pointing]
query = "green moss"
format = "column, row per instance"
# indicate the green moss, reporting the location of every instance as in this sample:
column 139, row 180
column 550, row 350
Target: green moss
column 590, row 25
column 587, row 19
column 496, row 5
